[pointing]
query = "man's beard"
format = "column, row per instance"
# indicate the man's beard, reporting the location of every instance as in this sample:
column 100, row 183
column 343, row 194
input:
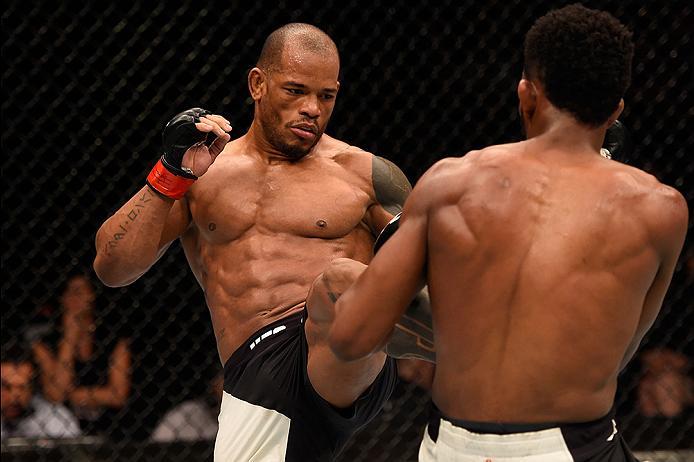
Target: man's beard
column 290, row 151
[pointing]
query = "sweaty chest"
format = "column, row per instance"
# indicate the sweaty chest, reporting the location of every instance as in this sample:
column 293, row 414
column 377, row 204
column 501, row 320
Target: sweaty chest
column 308, row 204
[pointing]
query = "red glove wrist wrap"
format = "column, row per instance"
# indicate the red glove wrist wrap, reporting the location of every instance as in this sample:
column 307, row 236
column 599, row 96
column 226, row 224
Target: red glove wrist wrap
column 167, row 183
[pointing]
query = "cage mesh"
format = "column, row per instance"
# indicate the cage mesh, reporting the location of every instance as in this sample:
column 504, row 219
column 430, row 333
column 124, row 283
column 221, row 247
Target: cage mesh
column 88, row 86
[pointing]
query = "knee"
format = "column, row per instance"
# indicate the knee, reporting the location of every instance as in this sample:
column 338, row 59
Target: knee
column 337, row 277
column 342, row 272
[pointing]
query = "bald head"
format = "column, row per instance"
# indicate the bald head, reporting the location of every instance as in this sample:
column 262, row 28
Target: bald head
column 301, row 37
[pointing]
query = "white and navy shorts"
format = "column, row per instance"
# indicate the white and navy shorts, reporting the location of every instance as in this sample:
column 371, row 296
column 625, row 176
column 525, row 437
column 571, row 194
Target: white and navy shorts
column 270, row 411
column 459, row 440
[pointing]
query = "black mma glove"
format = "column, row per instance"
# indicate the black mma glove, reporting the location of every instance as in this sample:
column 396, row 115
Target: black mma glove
column 168, row 177
column 617, row 145
column 386, row 232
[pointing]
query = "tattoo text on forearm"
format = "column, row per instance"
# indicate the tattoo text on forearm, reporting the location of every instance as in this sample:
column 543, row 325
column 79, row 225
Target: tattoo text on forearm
column 130, row 218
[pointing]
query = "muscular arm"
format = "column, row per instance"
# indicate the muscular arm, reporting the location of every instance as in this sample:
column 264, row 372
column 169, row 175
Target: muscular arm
column 391, row 188
column 132, row 240
column 51, row 385
column 366, row 313
column 115, row 393
column 670, row 219
column 58, row 371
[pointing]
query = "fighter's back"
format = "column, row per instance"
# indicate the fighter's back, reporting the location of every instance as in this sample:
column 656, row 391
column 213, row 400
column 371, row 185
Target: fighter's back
column 540, row 265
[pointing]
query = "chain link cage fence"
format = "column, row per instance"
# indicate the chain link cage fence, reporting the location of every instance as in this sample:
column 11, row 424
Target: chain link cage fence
column 87, row 87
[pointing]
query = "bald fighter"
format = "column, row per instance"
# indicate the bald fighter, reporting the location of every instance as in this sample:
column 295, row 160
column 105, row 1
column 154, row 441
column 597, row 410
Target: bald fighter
column 546, row 264
column 259, row 219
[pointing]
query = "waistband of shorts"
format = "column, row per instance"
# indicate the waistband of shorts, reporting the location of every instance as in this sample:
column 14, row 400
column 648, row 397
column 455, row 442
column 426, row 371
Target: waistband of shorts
column 594, row 440
column 266, row 336
column 506, row 428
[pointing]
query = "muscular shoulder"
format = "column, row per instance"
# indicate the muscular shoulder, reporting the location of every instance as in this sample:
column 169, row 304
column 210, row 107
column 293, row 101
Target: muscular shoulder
column 662, row 207
column 450, row 175
column 390, row 185
column 443, row 183
column 236, row 155
column 668, row 208
column 646, row 187
column 385, row 182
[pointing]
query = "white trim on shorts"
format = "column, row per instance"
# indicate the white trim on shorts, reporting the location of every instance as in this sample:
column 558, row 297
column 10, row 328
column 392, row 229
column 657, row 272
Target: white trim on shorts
column 248, row 432
column 455, row 444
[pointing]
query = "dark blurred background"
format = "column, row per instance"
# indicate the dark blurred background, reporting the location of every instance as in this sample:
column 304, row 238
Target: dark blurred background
column 87, row 87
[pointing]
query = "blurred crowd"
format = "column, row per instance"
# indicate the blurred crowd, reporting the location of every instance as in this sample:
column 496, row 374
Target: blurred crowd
column 70, row 374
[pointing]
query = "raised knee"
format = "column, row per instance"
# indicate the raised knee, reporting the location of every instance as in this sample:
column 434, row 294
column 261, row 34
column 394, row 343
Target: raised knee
column 342, row 272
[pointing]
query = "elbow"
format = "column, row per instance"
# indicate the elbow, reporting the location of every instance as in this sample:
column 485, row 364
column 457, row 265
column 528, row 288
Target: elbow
column 106, row 271
column 119, row 395
column 118, row 400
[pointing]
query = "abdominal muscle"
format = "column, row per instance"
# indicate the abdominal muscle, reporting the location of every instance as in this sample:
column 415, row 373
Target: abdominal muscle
column 254, row 281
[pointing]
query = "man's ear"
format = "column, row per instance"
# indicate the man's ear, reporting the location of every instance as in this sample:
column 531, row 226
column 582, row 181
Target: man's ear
column 617, row 112
column 257, row 83
column 527, row 97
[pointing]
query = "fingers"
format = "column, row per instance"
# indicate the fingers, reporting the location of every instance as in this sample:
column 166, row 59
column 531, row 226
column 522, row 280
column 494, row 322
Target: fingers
column 220, row 126
column 218, row 145
column 224, row 123
column 213, row 123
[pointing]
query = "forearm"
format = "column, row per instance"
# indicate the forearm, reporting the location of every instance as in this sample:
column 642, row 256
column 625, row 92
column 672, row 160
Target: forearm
column 104, row 396
column 55, row 384
column 62, row 374
column 128, row 243
column 48, row 363
column 367, row 312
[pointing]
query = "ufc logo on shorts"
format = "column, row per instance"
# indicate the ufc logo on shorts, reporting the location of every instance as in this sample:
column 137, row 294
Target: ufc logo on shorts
column 266, row 335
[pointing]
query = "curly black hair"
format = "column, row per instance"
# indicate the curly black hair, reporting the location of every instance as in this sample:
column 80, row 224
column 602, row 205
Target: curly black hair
column 582, row 58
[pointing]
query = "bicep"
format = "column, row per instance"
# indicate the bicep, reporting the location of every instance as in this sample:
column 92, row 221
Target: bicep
column 400, row 263
column 368, row 311
column 391, row 189
column 671, row 237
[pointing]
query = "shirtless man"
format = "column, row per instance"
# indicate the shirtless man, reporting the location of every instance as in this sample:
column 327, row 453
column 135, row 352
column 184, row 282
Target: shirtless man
column 546, row 264
column 259, row 218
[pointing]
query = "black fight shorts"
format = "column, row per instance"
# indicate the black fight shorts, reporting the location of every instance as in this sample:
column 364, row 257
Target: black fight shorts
column 271, row 412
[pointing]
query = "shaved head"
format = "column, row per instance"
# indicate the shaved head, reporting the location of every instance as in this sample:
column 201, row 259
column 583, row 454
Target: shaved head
column 294, row 85
column 303, row 37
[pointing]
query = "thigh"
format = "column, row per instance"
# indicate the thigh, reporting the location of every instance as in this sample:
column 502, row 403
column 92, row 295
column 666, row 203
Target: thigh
column 338, row 382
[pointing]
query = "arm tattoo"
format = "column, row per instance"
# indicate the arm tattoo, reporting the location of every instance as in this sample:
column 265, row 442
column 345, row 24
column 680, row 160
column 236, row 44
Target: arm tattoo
column 131, row 216
column 390, row 184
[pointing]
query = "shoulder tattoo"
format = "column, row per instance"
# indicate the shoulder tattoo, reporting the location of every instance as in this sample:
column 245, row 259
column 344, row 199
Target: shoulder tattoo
column 390, row 184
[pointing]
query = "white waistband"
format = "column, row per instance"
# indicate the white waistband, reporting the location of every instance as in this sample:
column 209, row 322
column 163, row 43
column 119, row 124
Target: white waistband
column 550, row 441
